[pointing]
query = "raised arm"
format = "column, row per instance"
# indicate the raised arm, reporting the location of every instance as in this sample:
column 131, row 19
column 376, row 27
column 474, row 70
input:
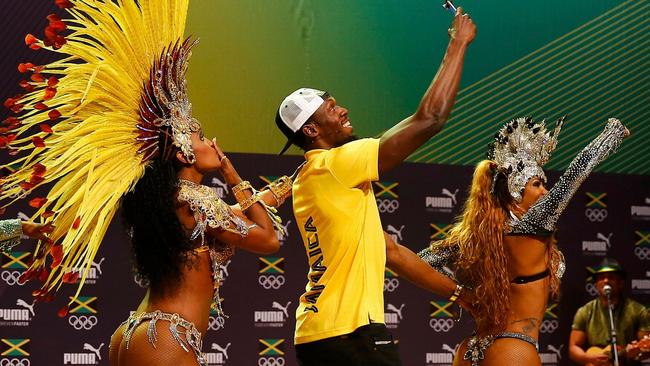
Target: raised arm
column 544, row 214
column 404, row 138
column 260, row 236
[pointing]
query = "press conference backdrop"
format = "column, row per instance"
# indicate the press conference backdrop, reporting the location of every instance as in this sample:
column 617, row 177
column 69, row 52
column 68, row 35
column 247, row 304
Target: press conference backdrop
column 585, row 58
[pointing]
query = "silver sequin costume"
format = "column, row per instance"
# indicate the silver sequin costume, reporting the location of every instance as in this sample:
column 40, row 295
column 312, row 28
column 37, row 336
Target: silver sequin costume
column 476, row 346
column 188, row 337
column 540, row 220
column 10, row 233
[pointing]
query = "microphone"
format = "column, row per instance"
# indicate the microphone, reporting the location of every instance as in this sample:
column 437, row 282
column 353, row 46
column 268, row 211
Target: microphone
column 449, row 5
column 607, row 290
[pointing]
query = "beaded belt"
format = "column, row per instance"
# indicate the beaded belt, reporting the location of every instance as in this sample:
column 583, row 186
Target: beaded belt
column 192, row 335
column 477, row 346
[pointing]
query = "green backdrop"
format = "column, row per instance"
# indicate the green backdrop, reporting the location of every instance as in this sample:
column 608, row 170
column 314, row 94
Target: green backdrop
column 545, row 58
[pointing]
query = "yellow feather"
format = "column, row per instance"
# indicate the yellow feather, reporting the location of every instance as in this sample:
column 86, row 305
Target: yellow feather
column 91, row 157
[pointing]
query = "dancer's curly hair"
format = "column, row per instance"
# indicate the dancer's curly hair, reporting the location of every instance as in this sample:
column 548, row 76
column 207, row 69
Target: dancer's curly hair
column 160, row 246
column 482, row 262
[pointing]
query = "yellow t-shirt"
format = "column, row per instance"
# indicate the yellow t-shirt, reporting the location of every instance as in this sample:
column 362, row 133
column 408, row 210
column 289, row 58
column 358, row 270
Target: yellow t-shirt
column 339, row 223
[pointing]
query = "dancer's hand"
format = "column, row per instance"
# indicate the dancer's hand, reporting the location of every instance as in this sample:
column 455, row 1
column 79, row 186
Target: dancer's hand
column 467, row 299
column 462, row 28
column 37, row 231
column 227, row 170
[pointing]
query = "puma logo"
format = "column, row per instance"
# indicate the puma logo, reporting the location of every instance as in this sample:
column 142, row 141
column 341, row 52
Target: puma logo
column 284, row 309
column 88, row 347
column 447, row 193
column 223, row 350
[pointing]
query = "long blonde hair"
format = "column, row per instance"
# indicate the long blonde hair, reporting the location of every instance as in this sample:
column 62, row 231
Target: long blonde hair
column 482, row 262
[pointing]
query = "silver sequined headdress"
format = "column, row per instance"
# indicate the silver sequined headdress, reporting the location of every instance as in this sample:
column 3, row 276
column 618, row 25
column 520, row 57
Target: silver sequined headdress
column 165, row 105
column 520, row 150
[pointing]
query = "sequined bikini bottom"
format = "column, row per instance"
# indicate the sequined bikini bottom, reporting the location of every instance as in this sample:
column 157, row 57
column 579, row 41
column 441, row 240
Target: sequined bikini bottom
column 188, row 337
column 476, row 346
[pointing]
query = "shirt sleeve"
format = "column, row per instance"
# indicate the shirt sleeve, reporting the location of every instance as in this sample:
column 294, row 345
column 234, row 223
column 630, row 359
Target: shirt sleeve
column 355, row 162
column 644, row 319
column 580, row 320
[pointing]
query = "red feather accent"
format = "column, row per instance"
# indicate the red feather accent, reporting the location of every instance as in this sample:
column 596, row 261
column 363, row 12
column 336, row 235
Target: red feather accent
column 30, row 39
column 64, row 4
column 24, row 67
column 57, row 255
column 56, row 23
column 26, row 276
column 26, row 186
column 63, row 311
column 38, row 142
column 50, row 92
column 35, row 180
column 37, row 77
column 45, row 128
column 37, row 202
column 39, row 169
column 52, row 81
column 42, row 276
column 54, row 114
column 9, row 102
column 40, row 106
column 70, row 277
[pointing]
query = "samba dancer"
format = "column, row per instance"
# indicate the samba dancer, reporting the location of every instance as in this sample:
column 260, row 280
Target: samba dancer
column 503, row 246
column 125, row 134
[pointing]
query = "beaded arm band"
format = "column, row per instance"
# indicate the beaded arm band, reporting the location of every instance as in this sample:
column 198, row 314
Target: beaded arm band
column 10, row 233
column 244, row 201
column 456, row 295
column 281, row 189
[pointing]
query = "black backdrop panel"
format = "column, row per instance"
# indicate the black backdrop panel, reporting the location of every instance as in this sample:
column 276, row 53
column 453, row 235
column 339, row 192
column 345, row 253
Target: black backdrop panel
column 610, row 215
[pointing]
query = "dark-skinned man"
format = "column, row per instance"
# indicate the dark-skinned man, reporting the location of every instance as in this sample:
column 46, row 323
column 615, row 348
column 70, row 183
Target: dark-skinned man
column 591, row 322
column 339, row 319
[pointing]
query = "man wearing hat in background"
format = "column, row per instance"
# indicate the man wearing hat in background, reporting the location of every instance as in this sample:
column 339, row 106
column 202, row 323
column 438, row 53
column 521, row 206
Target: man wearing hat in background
column 591, row 323
column 339, row 319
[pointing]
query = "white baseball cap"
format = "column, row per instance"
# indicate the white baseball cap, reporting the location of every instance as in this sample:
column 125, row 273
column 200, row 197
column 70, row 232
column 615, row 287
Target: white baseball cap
column 295, row 110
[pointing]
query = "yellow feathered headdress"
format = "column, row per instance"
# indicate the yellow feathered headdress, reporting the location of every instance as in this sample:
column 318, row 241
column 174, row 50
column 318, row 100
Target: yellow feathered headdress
column 83, row 125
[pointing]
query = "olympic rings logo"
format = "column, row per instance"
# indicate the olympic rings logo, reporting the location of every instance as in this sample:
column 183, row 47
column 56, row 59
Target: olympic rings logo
column 12, row 278
column 596, row 214
column 591, row 289
column 391, row 284
column 642, row 253
column 22, row 193
column 15, row 362
column 549, row 326
column 271, row 281
column 216, row 323
column 82, row 322
column 387, row 205
column 270, row 361
column 441, row 325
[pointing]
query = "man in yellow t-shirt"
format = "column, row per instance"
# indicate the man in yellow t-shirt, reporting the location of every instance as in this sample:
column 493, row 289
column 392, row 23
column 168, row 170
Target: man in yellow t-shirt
column 339, row 319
